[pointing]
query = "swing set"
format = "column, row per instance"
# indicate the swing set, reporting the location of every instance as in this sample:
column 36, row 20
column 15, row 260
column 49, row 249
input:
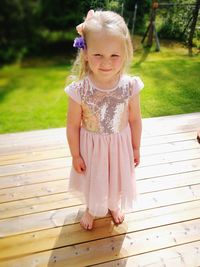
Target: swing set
column 151, row 29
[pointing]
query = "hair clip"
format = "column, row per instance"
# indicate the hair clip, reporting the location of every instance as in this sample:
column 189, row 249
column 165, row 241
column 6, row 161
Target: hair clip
column 79, row 42
column 81, row 26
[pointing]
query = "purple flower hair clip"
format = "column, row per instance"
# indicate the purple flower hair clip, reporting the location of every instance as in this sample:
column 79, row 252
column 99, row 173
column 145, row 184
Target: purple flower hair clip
column 79, row 42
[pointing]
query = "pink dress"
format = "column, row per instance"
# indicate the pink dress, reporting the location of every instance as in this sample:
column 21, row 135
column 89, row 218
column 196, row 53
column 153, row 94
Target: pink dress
column 105, row 145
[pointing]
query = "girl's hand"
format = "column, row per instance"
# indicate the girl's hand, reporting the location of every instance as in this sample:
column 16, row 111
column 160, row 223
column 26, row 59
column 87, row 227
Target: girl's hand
column 79, row 164
column 136, row 157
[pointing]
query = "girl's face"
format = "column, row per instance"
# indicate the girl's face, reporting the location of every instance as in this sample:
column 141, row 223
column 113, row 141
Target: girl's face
column 105, row 55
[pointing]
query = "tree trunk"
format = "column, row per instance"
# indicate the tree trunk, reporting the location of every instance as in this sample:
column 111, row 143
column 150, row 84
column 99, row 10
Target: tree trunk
column 193, row 25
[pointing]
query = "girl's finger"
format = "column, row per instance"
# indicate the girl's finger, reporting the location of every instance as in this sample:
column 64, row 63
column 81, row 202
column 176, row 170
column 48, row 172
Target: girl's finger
column 78, row 168
column 83, row 166
column 136, row 162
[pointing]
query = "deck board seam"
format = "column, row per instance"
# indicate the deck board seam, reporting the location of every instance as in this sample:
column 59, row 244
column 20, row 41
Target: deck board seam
column 62, row 192
column 142, row 253
column 82, row 205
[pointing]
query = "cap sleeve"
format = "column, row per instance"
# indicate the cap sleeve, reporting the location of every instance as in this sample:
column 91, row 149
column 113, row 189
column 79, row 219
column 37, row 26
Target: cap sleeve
column 73, row 91
column 136, row 85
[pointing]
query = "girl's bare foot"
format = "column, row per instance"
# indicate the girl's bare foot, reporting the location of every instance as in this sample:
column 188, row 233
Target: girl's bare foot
column 87, row 220
column 117, row 215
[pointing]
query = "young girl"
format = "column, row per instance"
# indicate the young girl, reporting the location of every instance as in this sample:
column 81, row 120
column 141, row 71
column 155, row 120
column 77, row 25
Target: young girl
column 104, row 120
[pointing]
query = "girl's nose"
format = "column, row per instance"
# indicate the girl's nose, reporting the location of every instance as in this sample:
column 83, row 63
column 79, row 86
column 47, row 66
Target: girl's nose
column 106, row 62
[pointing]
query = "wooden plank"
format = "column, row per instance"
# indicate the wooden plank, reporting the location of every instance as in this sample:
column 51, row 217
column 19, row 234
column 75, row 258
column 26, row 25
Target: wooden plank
column 35, row 190
column 166, row 147
column 58, row 217
column 45, row 146
column 55, row 154
column 35, row 166
column 61, row 173
column 62, row 162
column 60, row 186
column 146, row 140
column 33, row 156
column 27, row 178
column 114, row 247
column 32, row 134
column 170, row 122
column 37, row 204
column 186, row 255
column 50, row 135
column 168, row 168
column 9, row 194
column 62, row 200
column 168, row 138
column 49, row 141
column 169, row 147
column 48, row 175
column 170, row 157
column 168, row 181
column 37, row 241
column 12, row 142
column 181, row 119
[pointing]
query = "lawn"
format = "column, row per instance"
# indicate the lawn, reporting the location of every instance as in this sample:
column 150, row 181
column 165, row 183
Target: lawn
column 32, row 96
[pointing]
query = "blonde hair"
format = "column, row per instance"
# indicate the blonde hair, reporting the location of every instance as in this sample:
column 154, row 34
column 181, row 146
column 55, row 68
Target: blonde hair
column 112, row 23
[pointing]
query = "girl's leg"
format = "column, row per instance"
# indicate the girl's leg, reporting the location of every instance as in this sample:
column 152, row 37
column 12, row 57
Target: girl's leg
column 87, row 220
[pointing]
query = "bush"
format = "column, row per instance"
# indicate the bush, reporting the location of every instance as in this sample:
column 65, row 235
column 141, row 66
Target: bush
column 173, row 21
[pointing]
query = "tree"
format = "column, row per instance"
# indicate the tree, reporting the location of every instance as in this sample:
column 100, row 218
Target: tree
column 174, row 20
column 18, row 27
column 59, row 14
column 193, row 25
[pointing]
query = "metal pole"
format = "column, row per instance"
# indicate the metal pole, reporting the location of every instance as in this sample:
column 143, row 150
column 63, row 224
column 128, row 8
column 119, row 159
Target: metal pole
column 134, row 19
column 122, row 10
column 156, row 37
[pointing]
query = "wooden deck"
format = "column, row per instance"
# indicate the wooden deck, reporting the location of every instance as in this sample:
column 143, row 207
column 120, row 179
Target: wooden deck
column 39, row 219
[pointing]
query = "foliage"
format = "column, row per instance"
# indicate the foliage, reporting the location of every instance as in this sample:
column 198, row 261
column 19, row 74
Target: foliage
column 18, row 27
column 174, row 21
column 60, row 15
column 143, row 11
column 24, row 26
column 37, row 27
column 29, row 27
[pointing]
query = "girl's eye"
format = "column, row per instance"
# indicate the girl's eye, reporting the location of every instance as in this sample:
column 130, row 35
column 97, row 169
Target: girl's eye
column 114, row 55
column 97, row 55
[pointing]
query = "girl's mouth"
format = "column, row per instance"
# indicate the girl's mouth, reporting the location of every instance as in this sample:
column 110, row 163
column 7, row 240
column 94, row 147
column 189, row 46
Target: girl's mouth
column 105, row 70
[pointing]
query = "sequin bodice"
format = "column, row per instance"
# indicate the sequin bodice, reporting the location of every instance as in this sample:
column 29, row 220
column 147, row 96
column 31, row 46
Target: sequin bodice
column 105, row 111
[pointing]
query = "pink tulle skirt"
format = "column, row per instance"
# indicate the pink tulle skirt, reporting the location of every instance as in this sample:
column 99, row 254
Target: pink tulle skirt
column 109, row 179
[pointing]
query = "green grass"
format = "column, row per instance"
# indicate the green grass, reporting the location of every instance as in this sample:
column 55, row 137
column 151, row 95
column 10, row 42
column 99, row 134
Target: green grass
column 32, row 96
column 171, row 80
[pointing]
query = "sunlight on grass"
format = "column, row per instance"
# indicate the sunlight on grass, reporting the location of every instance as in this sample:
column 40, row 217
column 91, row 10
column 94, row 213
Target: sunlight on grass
column 32, row 96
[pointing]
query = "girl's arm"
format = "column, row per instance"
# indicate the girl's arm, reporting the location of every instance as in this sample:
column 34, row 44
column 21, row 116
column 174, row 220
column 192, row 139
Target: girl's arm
column 135, row 122
column 73, row 134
